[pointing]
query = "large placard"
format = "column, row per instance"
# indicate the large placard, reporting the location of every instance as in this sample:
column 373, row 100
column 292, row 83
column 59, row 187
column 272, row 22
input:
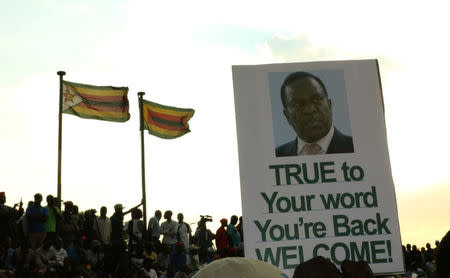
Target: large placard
column 314, row 165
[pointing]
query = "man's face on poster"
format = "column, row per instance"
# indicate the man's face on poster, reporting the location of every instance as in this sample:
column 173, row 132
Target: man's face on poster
column 308, row 110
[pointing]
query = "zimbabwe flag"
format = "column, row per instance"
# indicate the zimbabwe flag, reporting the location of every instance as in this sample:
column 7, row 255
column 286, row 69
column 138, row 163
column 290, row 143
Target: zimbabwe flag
column 165, row 121
column 96, row 102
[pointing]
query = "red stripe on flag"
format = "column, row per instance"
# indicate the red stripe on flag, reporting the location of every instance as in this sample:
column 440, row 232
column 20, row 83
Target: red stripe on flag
column 103, row 98
column 167, row 117
column 103, row 108
column 165, row 126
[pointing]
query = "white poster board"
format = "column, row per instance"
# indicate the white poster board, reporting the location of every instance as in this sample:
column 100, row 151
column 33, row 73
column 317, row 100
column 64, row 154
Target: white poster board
column 339, row 204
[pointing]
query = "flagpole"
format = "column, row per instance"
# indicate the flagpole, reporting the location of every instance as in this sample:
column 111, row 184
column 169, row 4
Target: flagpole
column 61, row 74
column 141, row 127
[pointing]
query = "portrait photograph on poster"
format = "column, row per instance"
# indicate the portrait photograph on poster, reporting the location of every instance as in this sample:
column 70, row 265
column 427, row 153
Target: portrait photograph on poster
column 314, row 165
column 310, row 108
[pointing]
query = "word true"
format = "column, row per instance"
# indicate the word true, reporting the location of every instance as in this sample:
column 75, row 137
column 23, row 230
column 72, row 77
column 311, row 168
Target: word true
column 318, row 172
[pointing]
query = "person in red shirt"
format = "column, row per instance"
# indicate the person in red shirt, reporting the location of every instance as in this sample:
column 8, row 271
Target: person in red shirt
column 222, row 238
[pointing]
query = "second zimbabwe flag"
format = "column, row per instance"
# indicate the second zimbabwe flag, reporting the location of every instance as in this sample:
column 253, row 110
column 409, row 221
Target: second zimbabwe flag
column 166, row 122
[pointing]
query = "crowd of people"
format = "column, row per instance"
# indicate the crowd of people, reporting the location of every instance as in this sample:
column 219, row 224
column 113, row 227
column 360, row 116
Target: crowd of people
column 421, row 260
column 46, row 241
column 51, row 241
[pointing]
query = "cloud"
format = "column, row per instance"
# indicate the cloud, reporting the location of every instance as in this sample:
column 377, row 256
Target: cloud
column 298, row 49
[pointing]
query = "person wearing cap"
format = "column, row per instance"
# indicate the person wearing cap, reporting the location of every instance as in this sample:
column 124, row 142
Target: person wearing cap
column 117, row 240
column 222, row 237
column 8, row 218
column 37, row 215
column 117, row 223
column 238, row 267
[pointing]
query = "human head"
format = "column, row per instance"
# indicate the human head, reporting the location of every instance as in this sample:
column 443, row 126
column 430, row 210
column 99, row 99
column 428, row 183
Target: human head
column 307, row 107
column 58, row 243
column 2, row 198
column 37, row 199
column 233, row 219
column 168, row 215
column 147, row 263
column 57, row 202
column 68, row 207
column 158, row 214
column 180, row 217
column 443, row 257
column 95, row 245
column 136, row 214
column 317, row 267
column 118, row 208
column 47, row 244
column 103, row 211
column 223, row 222
column 50, row 200
column 201, row 224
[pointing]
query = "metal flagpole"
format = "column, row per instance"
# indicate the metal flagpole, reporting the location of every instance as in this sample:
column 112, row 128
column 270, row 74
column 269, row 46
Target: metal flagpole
column 61, row 74
column 141, row 120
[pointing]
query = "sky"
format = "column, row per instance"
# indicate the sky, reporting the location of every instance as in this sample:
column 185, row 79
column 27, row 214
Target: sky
column 180, row 53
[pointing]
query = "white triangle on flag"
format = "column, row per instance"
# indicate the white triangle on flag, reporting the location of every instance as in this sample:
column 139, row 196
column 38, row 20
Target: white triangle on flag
column 70, row 98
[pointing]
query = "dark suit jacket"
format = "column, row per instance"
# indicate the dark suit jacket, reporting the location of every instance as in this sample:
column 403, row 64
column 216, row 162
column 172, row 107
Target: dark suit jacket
column 340, row 143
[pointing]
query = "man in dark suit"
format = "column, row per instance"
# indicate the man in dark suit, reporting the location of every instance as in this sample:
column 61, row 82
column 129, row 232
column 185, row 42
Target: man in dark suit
column 308, row 110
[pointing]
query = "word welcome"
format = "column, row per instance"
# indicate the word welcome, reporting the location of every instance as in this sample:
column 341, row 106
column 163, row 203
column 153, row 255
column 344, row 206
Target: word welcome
column 288, row 257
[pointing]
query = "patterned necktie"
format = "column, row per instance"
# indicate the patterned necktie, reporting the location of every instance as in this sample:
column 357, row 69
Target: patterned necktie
column 310, row 149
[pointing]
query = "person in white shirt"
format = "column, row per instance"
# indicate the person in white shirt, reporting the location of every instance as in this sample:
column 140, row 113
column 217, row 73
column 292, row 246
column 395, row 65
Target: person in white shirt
column 153, row 227
column 102, row 226
column 61, row 253
column 184, row 232
column 169, row 230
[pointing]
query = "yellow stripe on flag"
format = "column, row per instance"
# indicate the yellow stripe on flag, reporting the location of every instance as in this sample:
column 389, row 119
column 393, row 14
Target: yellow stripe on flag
column 167, row 111
column 88, row 111
column 97, row 92
column 164, row 131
